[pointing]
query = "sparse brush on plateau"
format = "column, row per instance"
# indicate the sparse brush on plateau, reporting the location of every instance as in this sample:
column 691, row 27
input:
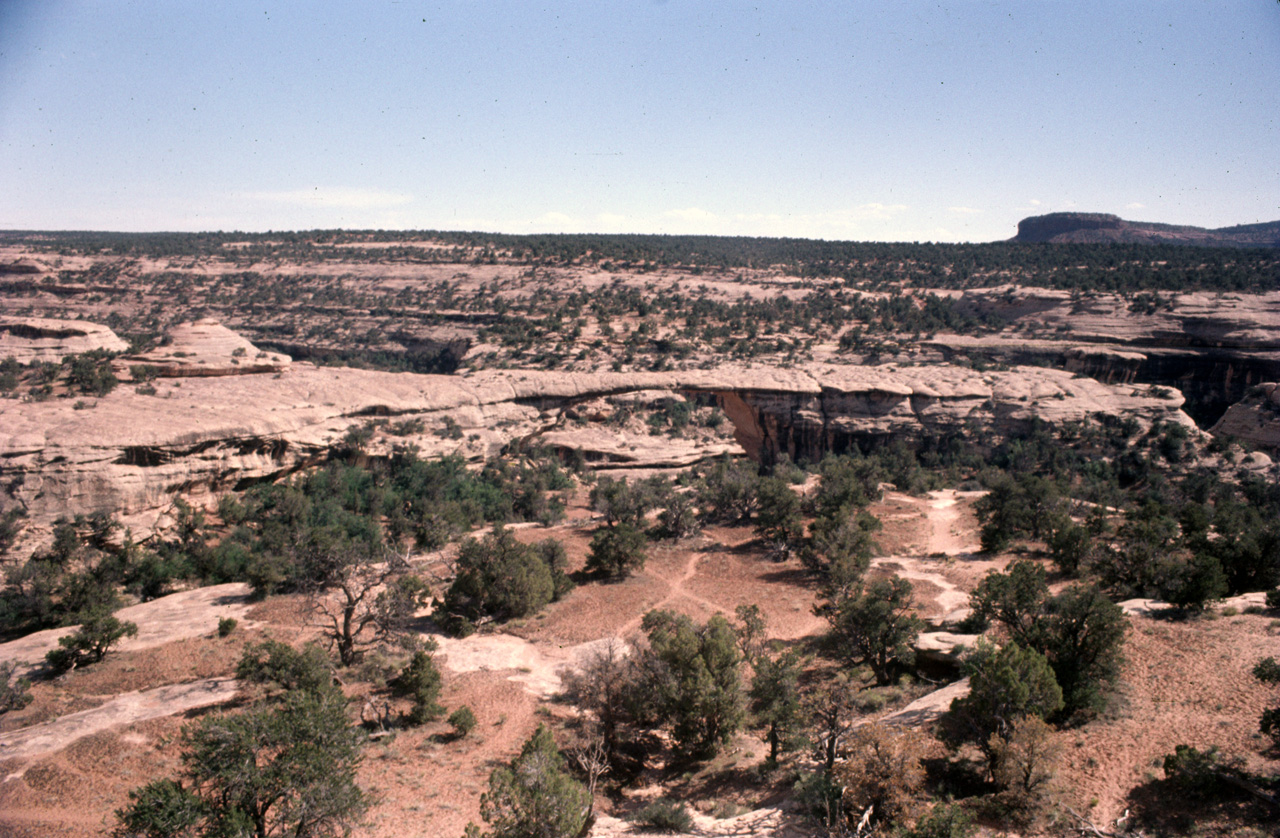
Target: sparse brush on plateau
column 425, row 533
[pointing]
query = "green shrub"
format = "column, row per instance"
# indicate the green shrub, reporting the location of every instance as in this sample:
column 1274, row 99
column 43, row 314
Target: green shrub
column 727, row 492
column 286, row 768
column 279, row 664
column 99, row 631
column 463, row 721
column 1005, row 685
column 226, row 625
column 943, row 821
column 664, row 815
column 10, row 372
column 91, row 372
column 534, row 796
column 877, row 627
column 819, row 796
column 231, row 510
column 501, row 578
column 14, row 693
column 160, row 809
column 617, row 552
column 420, row 680
column 1267, row 671
column 691, row 681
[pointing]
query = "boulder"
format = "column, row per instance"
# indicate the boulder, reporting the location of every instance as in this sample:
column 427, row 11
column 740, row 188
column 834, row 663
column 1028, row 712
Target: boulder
column 943, row 646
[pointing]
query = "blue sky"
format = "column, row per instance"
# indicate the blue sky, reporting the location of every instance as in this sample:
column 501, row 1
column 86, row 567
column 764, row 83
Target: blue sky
column 888, row 121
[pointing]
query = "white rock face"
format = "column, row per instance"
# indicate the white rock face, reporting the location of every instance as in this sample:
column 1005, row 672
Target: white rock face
column 200, row 435
column 207, row 348
column 28, row 339
column 1255, row 420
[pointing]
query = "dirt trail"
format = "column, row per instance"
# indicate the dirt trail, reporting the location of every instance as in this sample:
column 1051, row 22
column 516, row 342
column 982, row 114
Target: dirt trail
column 943, row 515
column 123, row 709
column 925, row 570
column 675, row 590
column 536, row 665
column 942, row 541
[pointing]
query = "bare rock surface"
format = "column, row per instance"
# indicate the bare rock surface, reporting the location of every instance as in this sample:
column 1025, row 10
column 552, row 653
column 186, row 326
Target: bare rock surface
column 185, row 614
column 131, row 453
column 1255, row 420
column 943, row 646
column 126, row 708
column 603, row 446
column 205, row 348
column 28, row 339
column 929, row 708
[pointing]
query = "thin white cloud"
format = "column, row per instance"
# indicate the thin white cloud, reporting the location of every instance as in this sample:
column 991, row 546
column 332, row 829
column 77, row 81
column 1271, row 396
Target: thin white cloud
column 964, row 210
column 879, row 211
column 555, row 219
column 1135, row 205
column 759, row 217
column 692, row 214
column 334, row 197
column 862, row 220
column 612, row 222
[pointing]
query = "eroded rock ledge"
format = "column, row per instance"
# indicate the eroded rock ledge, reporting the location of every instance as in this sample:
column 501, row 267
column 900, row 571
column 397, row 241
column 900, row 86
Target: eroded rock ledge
column 130, row 453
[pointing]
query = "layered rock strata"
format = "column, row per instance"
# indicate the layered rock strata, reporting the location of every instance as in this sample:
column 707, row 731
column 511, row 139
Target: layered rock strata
column 1254, row 420
column 29, row 339
column 131, row 452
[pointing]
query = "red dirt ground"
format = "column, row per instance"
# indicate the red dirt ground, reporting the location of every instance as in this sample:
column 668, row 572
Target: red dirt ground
column 1185, row 682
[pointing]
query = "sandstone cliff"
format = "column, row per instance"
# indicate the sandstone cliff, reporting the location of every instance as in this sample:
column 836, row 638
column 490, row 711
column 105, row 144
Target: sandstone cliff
column 28, row 339
column 1256, row 419
column 1092, row 227
column 132, row 452
column 1213, row 347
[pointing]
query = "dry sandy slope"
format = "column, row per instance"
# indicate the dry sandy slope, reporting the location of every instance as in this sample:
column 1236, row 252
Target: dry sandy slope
column 503, row 676
column 1185, row 682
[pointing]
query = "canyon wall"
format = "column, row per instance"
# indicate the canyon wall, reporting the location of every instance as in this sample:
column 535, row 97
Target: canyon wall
column 132, row 451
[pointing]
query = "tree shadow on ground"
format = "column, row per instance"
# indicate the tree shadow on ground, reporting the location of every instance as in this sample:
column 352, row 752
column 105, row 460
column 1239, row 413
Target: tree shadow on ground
column 1164, row 808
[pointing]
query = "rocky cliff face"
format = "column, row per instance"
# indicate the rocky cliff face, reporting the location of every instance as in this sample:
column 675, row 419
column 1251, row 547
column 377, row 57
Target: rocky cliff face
column 132, row 452
column 1256, row 419
column 28, row 339
column 1089, row 227
column 1212, row 347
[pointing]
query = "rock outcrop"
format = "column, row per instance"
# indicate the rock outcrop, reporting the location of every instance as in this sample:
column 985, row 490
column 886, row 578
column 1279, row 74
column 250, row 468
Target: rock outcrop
column 207, row 348
column 1255, row 420
column 1093, row 227
column 131, row 452
column 29, row 339
column 1212, row 347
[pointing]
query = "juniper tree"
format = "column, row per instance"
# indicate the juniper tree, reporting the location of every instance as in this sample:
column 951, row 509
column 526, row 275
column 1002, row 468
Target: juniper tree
column 533, row 796
column 690, row 681
column 876, row 627
column 280, row 769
